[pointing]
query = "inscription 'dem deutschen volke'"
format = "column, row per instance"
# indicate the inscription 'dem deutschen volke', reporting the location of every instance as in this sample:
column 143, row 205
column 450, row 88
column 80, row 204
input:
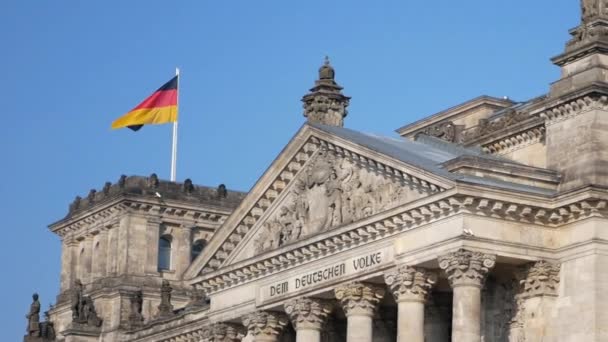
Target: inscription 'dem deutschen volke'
column 323, row 275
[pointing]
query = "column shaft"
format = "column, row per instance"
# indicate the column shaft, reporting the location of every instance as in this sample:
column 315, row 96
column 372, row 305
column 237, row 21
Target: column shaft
column 466, row 314
column 410, row 324
column 308, row 335
column 359, row 328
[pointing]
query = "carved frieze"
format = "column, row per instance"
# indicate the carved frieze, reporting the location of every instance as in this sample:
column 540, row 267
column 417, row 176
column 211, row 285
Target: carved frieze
column 359, row 298
column 332, row 191
column 308, row 312
column 410, row 283
column 467, row 268
column 265, row 323
column 509, row 118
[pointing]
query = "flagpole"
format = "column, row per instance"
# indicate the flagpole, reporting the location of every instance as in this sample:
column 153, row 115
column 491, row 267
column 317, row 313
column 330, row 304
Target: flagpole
column 174, row 145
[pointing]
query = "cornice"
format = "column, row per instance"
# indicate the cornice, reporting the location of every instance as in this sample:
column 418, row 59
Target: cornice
column 311, row 145
column 395, row 221
column 574, row 108
column 173, row 330
column 516, row 141
column 107, row 215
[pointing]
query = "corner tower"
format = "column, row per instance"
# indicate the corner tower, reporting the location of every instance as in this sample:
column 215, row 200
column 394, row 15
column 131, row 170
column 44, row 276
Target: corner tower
column 325, row 104
column 576, row 115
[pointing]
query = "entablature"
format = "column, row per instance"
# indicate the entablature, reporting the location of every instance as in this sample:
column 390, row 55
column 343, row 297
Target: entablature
column 549, row 213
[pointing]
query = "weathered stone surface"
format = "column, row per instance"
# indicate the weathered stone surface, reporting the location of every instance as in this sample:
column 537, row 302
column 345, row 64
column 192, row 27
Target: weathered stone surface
column 325, row 103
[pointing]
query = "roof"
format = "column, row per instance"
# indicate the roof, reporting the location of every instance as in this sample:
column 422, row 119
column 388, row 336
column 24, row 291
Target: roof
column 429, row 153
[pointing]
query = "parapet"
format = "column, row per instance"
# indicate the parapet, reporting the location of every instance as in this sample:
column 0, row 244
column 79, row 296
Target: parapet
column 153, row 187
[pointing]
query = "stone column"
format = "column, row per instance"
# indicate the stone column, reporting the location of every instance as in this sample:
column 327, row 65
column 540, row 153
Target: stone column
column 466, row 271
column 224, row 332
column 410, row 287
column 265, row 326
column 359, row 302
column 308, row 317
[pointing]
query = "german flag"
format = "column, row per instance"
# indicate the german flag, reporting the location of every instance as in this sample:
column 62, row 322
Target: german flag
column 158, row 108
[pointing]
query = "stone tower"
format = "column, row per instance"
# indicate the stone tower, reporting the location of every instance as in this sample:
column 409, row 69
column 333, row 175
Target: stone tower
column 122, row 242
column 325, row 104
column 577, row 134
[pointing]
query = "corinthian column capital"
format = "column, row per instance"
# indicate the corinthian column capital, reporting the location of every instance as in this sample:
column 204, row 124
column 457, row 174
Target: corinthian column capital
column 410, row 283
column 265, row 323
column 539, row 279
column 308, row 313
column 359, row 298
column 465, row 267
column 224, row 332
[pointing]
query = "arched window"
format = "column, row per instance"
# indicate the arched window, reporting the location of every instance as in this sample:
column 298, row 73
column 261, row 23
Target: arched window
column 164, row 253
column 197, row 248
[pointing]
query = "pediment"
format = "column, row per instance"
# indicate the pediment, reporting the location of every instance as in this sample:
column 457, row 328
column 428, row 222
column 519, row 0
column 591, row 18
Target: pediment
column 318, row 183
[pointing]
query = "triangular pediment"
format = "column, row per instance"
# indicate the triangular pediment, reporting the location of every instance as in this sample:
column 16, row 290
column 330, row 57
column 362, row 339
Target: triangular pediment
column 319, row 182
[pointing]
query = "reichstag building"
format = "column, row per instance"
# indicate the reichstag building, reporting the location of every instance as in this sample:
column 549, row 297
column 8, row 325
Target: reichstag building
column 484, row 222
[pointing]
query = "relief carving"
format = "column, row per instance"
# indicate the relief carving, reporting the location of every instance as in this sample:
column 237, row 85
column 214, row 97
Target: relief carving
column 443, row 130
column 332, row 191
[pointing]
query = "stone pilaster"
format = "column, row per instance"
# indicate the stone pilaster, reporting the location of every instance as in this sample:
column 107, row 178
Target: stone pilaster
column 466, row 271
column 100, row 244
column 224, row 332
column 69, row 249
column 308, row 316
column 359, row 302
column 410, row 286
column 152, row 236
column 539, row 283
column 265, row 326
column 86, row 258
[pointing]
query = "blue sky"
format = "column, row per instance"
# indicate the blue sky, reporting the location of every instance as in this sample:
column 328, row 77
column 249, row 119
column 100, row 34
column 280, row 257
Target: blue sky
column 70, row 67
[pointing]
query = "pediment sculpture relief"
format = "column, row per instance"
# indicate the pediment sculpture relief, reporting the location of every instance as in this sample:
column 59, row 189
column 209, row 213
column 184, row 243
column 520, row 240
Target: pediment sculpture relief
column 332, row 191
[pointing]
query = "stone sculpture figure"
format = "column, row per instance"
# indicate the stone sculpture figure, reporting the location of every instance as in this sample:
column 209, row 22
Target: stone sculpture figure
column 33, row 317
column 83, row 307
column 135, row 316
column 330, row 192
column 222, row 192
column 165, row 308
column 77, row 301
column 90, row 314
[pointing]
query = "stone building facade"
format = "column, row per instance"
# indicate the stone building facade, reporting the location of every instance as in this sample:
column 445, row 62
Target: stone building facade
column 484, row 222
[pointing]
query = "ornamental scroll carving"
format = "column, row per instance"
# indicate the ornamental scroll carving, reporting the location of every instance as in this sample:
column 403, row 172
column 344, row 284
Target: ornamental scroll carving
column 331, row 191
column 265, row 323
column 410, row 283
column 539, row 279
column 359, row 298
column 308, row 312
column 465, row 267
